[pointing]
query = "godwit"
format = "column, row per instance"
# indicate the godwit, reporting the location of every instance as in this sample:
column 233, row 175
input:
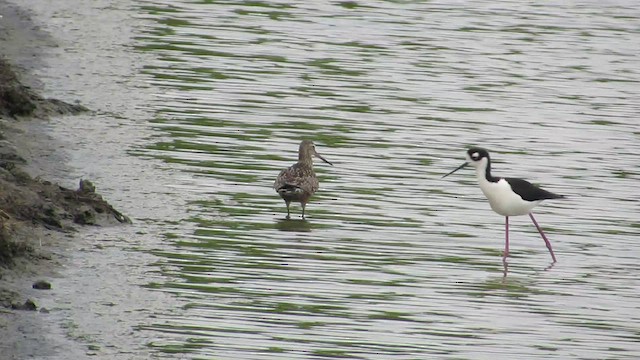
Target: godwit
column 298, row 182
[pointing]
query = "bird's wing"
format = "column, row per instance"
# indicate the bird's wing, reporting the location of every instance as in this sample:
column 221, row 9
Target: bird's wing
column 281, row 180
column 297, row 177
column 530, row 192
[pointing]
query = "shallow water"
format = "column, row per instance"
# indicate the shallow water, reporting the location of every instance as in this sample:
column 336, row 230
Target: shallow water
column 202, row 103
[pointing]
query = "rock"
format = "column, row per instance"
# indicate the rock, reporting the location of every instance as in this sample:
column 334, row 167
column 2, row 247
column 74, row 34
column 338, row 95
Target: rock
column 60, row 107
column 16, row 100
column 84, row 216
column 41, row 285
column 28, row 305
column 86, row 186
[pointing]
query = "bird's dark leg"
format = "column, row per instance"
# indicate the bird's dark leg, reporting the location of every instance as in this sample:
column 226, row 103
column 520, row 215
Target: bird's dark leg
column 546, row 241
column 303, row 206
column 506, row 238
column 288, row 216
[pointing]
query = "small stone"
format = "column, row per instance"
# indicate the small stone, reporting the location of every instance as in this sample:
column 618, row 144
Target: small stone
column 42, row 285
column 44, row 310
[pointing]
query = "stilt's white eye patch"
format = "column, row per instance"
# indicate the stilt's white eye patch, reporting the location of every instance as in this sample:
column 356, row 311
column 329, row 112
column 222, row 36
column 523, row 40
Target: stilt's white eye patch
column 475, row 156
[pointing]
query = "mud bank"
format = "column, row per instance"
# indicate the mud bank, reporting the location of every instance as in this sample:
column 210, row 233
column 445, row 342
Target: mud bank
column 27, row 202
column 32, row 208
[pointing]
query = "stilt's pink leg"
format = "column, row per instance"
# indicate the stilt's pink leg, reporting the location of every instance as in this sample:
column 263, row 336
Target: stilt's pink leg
column 505, row 268
column 506, row 242
column 546, row 241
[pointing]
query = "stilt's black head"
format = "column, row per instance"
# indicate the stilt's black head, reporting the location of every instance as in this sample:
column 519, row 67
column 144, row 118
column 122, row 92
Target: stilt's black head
column 475, row 157
column 479, row 158
column 476, row 154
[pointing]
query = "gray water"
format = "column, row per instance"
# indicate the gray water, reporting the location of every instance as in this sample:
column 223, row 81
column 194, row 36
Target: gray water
column 201, row 104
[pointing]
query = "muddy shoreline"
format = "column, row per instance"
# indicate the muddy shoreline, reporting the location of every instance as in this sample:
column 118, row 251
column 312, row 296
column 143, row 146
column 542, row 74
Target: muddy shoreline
column 36, row 203
column 37, row 216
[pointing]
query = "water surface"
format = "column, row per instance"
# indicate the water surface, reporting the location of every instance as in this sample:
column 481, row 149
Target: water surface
column 393, row 262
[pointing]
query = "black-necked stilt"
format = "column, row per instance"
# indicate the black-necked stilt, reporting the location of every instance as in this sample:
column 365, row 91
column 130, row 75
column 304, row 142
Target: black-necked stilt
column 298, row 182
column 507, row 196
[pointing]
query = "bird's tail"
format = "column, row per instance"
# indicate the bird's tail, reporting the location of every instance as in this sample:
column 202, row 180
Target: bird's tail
column 289, row 190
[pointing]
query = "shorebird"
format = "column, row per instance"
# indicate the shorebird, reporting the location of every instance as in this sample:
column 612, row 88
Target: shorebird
column 298, row 182
column 507, row 196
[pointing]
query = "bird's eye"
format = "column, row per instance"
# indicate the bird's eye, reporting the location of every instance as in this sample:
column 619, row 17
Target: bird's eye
column 475, row 156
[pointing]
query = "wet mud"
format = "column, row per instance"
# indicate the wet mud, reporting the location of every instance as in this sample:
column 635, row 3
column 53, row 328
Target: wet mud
column 38, row 217
column 30, row 203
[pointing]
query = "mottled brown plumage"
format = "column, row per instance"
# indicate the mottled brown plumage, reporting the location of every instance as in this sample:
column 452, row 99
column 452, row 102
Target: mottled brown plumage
column 298, row 182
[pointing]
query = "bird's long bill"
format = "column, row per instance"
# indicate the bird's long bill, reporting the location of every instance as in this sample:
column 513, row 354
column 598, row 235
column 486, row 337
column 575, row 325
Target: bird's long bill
column 323, row 159
column 456, row 169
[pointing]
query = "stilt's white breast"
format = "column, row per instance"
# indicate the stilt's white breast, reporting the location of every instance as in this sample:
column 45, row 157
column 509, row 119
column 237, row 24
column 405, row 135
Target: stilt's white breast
column 502, row 199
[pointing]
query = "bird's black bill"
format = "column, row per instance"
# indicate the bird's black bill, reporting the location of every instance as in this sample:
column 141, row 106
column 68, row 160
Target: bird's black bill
column 456, row 169
column 323, row 159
